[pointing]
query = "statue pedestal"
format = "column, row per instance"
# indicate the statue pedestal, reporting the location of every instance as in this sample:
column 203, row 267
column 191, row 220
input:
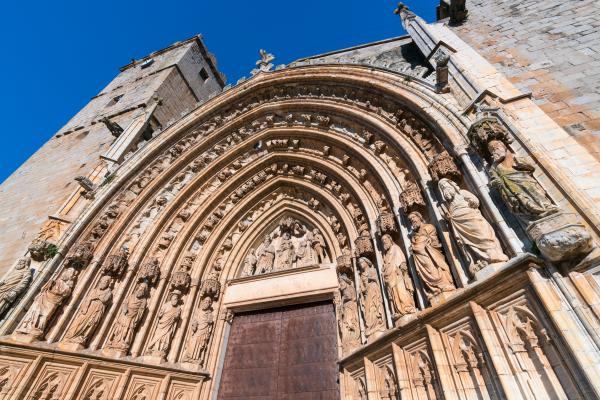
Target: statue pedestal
column 70, row 346
column 25, row 338
column 405, row 319
column 488, row 270
column 441, row 298
column 560, row 237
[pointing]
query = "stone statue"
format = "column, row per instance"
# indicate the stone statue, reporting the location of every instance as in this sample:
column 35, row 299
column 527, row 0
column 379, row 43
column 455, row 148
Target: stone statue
column 266, row 256
column 285, row 254
column 372, row 299
column 396, row 278
column 168, row 318
column 304, row 253
column 429, row 259
column 51, row 296
column 250, row 262
column 348, row 319
column 319, row 245
column 128, row 319
column 201, row 330
column 474, row 234
column 90, row 313
column 14, row 283
column 513, row 177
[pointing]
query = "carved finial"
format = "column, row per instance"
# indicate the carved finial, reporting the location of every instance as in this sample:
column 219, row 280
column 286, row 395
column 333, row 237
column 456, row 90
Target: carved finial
column 264, row 64
column 403, row 11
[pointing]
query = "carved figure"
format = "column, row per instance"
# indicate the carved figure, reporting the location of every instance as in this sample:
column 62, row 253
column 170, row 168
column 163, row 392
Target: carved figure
column 474, row 234
column 266, row 256
column 319, row 245
column 284, row 255
column 396, row 278
column 168, row 318
column 250, row 263
column 304, row 253
column 51, row 296
column 348, row 315
column 201, row 330
column 128, row 319
column 14, row 283
column 116, row 264
column 85, row 323
column 372, row 299
column 429, row 259
column 513, row 177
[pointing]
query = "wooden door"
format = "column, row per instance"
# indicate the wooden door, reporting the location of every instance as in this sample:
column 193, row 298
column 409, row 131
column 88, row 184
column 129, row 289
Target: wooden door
column 282, row 354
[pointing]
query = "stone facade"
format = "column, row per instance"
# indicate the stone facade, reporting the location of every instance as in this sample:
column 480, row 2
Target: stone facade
column 404, row 185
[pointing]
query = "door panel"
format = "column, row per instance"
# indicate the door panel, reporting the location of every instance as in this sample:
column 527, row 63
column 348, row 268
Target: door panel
column 282, row 354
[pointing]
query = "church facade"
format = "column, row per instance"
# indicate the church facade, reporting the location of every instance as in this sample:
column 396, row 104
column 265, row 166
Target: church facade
column 415, row 218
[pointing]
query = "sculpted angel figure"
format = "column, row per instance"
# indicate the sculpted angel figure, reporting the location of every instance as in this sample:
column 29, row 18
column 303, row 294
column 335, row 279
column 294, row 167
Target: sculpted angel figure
column 396, row 278
column 429, row 259
column 128, row 319
column 513, row 177
column 51, row 296
column 201, row 330
column 474, row 234
column 14, row 283
column 90, row 313
column 372, row 299
column 168, row 318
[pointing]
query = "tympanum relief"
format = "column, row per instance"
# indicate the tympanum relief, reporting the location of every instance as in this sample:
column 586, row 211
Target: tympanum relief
column 292, row 244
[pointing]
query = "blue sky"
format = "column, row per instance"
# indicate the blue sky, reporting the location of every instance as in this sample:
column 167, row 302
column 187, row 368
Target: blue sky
column 58, row 54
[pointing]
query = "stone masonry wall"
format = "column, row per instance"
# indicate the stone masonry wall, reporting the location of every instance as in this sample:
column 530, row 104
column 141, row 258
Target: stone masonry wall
column 552, row 49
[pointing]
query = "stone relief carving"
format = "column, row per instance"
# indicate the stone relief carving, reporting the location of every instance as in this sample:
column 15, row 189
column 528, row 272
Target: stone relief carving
column 116, row 264
column 424, row 378
column 397, row 281
column 128, row 320
column 291, row 245
column 201, row 330
column 411, row 197
column 15, row 282
column 558, row 235
column 168, row 318
column 443, row 166
column 50, row 387
column 389, row 387
column 474, row 235
column 372, row 300
column 51, row 297
column 429, row 259
column 347, row 308
column 90, row 313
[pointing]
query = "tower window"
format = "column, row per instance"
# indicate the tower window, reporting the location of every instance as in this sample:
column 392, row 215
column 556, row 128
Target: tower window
column 204, row 75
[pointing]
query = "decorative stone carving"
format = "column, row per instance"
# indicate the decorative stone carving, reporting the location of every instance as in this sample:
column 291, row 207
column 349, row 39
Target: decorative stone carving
column 363, row 244
column 411, row 197
column 201, row 329
column 90, row 313
column 397, row 279
column 443, row 166
column 475, row 236
column 513, row 178
column 264, row 64
column 42, row 250
column 168, row 318
column 15, row 282
column 441, row 71
column 344, row 262
column 348, row 323
column 88, row 187
column 429, row 259
column 211, row 287
column 318, row 245
column 284, row 254
column 181, row 279
column 266, row 256
column 128, row 320
column 116, row 264
column 51, row 297
column 80, row 256
column 387, row 222
column 372, row 301
column 389, row 387
column 149, row 272
column 250, row 263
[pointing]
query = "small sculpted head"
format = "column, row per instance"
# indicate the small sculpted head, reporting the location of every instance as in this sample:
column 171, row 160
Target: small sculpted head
column 497, row 150
column 105, row 282
column 141, row 290
column 23, row 263
column 174, row 299
column 448, row 188
column 206, row 303
column 387, row 242
column 416, row 220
